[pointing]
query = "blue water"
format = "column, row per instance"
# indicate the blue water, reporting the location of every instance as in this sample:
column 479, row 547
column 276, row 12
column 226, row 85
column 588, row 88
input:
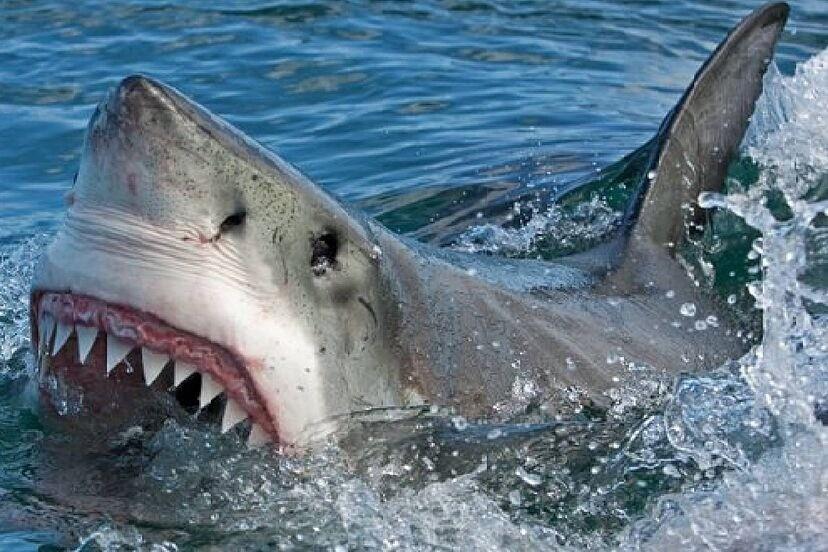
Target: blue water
column 424, row 113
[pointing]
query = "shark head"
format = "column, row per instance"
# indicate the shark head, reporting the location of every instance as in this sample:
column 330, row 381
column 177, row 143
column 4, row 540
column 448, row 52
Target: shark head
column 189, row 249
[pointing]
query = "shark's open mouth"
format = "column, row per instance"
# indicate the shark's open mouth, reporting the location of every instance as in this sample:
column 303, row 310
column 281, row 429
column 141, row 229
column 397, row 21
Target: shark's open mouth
column 80, row 337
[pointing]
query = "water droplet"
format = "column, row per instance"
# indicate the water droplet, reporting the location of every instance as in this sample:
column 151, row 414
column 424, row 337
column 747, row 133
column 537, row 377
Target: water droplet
column 494, row 434
column 688, row 309
column 531, row 479
column 671, row 471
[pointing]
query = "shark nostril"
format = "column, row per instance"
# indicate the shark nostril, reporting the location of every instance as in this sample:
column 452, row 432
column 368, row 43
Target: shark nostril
column 323, row 253
column 233, row 221
column 236, row 219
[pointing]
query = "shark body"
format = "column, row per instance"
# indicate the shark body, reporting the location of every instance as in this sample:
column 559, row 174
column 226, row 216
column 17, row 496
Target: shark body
column 192, row 252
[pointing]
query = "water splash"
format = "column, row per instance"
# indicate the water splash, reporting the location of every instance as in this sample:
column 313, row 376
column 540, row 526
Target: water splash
column 17, row 262
column 555, row 228
column 779, row 499
column 789, row 371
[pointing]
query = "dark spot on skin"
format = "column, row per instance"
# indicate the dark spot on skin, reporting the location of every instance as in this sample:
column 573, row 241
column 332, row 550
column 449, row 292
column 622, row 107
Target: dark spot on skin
column 284, row 268
column 341, row 294
column 132, row 183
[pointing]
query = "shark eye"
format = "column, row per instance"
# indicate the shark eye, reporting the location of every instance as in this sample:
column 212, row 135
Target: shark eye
column 236, row 219
column 323, row 253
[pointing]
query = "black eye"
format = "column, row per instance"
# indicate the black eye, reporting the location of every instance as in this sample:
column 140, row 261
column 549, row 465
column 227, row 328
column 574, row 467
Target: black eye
column 236, row 219
column 323, row 253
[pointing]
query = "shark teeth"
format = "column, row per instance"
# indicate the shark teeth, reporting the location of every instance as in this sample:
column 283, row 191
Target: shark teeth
column 209, row 391
column 182, row 371
column 45, row 331
column 56, row 349
column 154, row 364
column 86, row 340
column 116, row 350
column 62, row 333
column 233, row 414
column 257, row 437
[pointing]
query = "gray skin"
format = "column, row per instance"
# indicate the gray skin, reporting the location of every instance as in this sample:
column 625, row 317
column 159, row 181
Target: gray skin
column 393, row 322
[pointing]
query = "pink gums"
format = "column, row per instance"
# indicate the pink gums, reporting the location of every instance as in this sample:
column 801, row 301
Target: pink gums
column 146, row 330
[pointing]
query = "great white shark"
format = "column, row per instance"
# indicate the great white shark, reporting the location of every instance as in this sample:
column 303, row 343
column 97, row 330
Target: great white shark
column 191, row 256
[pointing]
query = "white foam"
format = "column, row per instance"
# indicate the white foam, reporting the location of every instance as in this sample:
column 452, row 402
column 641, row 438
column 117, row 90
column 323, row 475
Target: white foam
column 777, row 500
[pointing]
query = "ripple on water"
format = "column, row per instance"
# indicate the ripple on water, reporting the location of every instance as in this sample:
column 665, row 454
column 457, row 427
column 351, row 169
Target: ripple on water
column 734, row 458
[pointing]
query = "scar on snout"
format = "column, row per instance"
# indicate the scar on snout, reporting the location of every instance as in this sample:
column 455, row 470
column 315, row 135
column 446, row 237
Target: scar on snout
column 370, row 309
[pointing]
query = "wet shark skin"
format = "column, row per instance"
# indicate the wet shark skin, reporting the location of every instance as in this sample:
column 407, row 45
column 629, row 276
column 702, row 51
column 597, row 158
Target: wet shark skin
column 178, row 214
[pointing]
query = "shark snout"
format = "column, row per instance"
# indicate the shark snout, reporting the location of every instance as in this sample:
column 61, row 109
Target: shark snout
column 153, row 154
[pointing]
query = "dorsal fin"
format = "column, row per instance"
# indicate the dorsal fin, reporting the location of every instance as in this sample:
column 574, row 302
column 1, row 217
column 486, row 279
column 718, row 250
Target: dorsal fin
column 699, row 137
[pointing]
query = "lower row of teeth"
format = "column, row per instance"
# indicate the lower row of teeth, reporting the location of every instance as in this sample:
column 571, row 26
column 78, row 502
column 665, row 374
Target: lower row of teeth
column 154, row 363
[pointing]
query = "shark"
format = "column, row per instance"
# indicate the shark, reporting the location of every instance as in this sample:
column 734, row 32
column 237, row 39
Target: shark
column 194, row 261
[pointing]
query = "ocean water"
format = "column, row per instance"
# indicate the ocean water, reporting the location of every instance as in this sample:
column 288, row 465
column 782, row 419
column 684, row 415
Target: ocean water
column 436, row 116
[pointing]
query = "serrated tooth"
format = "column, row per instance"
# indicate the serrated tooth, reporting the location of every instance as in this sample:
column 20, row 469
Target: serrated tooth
column 182, row 371
column 209, row 391
column 233, row 414
column 86, row 339
column 116, row 350
column 258, row 437
column 153, row 364
column 62, row 334
column 47, row 327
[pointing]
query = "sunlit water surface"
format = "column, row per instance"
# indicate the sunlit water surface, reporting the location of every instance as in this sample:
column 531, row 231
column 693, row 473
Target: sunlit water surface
column 435, row 116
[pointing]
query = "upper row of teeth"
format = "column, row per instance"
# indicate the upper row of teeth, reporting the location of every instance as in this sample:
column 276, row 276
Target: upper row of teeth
column 117, row 350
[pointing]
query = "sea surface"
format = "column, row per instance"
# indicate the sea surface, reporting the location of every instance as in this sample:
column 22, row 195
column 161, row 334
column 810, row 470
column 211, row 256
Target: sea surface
column 437, row 116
